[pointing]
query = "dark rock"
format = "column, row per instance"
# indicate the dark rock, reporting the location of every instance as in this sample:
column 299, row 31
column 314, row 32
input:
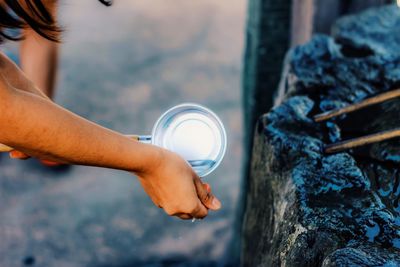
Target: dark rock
column 305, row 208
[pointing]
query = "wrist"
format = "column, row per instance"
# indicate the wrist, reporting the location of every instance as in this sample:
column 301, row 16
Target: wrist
column 149, row 158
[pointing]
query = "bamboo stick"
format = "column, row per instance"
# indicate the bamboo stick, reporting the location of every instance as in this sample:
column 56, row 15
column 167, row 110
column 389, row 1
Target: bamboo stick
column 361, row 141
column 365, row 103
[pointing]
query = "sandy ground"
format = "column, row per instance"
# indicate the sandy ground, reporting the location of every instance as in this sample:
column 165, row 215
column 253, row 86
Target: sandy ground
column 122, row 67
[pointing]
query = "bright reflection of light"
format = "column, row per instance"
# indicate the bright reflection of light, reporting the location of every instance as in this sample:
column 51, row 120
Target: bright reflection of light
column 193, row 140
column 398, row 3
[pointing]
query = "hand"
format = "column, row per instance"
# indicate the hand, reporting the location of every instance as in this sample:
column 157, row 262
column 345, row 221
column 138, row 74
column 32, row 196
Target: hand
column 173, row 185
column 15, row 154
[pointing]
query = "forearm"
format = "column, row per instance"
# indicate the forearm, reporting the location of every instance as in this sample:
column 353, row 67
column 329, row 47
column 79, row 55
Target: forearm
column 40, row 128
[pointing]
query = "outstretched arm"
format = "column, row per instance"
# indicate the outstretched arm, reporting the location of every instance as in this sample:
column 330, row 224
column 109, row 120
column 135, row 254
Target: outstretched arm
column 38, row 127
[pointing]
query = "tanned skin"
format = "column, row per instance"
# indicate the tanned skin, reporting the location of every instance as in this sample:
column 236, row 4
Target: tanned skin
column 36, row 126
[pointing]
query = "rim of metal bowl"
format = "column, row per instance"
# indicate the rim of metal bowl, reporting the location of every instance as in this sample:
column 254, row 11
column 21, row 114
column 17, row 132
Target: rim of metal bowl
column 224, row 142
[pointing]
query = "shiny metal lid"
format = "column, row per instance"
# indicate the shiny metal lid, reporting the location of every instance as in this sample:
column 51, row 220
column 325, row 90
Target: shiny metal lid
column 195, row 133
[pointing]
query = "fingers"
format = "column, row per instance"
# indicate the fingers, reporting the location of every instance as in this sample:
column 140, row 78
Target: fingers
column 15, row 154
column 200, row 211
column 205, row 195
column 4, row 148
column 49, row 163
column 184, row 216
column 207, row 187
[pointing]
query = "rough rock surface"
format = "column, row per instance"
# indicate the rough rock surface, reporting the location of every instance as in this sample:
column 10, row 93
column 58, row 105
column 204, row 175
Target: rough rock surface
column 305, row 208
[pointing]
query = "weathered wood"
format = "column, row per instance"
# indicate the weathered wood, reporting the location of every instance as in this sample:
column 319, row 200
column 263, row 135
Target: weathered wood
column 268, row 38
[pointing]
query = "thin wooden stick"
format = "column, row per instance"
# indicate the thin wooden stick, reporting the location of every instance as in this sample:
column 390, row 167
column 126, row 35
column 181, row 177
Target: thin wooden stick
column 361, row 141
column 351, row 108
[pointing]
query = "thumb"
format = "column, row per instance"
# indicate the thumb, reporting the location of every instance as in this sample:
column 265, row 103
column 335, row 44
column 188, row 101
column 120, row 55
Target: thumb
column 205, row 195
column 15, row 154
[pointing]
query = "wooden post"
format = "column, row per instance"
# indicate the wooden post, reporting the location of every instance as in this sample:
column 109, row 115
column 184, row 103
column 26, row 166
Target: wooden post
column 268, row 39
column 302, row 21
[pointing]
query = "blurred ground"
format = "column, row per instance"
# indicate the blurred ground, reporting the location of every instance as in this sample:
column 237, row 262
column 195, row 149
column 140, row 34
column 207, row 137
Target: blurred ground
column 122, row 67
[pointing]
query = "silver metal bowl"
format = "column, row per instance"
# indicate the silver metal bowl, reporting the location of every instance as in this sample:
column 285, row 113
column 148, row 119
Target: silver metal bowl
column 195, row 133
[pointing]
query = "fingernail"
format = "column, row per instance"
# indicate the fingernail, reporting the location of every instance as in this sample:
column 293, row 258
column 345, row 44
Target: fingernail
column 216, row 204
column 208, row 188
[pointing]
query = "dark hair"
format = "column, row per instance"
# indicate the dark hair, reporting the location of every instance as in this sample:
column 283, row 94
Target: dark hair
column 21, row 14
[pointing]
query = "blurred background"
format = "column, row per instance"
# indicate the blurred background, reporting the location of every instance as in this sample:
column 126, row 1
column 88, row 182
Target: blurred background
column 122, row 67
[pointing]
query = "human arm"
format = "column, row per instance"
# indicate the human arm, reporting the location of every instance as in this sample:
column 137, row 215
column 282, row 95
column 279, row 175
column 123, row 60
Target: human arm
column 38, row 127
